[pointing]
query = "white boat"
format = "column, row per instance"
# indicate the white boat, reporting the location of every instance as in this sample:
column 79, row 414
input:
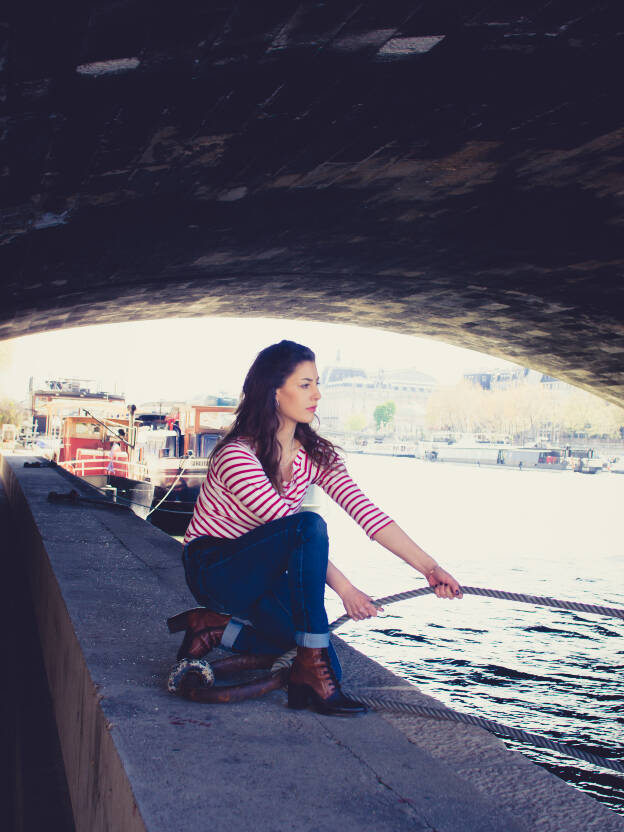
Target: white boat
column 544, row 459
column 617, row 465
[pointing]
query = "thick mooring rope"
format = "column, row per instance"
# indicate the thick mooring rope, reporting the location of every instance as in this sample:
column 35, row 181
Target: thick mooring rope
column 181, row 470
column 394, row 706
column 540, row 600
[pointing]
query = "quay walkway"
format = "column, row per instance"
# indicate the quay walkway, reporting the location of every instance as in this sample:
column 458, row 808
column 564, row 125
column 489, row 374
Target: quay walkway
column 137, row 758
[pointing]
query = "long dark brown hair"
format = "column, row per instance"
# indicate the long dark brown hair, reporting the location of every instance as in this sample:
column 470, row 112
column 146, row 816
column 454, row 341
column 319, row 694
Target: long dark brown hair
column 257, row 420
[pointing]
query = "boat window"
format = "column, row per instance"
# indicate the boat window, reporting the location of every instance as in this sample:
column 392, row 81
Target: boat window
column 159, row 446
column 86, row 429
column 170, row 448
column 207, row 441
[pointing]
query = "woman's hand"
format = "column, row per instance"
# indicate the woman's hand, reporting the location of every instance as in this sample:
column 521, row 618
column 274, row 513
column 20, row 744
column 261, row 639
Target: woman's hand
column 443, row 583
column 358, row 604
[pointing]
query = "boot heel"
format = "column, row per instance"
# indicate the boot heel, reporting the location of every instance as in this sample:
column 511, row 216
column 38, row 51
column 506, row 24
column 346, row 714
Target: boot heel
column 177, row 623
column 298, row 696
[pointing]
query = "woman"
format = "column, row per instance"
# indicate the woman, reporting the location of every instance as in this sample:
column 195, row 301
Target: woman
column 257, row 566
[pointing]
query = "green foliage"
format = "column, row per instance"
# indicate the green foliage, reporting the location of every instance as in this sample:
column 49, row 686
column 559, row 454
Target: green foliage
column 355, row 423
column 384, row 414
column 11, row 412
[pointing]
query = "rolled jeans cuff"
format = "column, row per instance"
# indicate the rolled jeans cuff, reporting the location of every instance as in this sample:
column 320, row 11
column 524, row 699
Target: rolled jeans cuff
column 312, row 639
column 231, row 633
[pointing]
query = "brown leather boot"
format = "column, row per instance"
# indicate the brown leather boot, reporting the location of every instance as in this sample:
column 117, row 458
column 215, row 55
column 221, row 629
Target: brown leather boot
column 313, row 682
column 204, row 630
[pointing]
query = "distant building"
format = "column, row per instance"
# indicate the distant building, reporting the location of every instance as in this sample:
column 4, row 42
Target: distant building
column 505, row 379
column 350, row 392
column 335, row 373
column 550, row 383
column 479, row 379
column 220, row 400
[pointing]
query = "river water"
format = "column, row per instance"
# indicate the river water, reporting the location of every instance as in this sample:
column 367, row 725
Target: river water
column 551, row 672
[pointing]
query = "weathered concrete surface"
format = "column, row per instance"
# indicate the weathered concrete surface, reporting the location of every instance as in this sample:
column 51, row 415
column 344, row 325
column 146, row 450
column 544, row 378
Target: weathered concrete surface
column 33, row 764
column 444, row 169
column 138, row 758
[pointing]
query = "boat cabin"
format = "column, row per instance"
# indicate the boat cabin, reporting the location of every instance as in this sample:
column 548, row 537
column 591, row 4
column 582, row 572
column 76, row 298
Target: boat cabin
column 201, row 427
column 91, row 448
column 56, row 399
column 158, row 443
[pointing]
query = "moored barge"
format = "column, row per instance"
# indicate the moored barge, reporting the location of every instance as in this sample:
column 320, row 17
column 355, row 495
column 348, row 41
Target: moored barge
column 169, row 463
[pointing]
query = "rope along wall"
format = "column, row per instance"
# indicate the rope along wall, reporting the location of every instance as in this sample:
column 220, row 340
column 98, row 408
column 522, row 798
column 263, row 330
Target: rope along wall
column 393, row 706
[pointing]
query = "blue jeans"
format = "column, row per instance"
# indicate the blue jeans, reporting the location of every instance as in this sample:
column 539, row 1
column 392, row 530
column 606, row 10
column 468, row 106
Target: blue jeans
column 271, row 580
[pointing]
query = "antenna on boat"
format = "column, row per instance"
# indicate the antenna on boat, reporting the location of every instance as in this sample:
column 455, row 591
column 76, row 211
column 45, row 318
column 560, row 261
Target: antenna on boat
column 117, row 436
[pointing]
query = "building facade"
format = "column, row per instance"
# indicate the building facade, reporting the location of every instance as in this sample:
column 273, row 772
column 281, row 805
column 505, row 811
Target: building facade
column 351, row 394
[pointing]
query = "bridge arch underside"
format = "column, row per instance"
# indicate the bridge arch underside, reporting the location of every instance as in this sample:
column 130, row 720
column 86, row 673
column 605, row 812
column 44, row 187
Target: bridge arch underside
column 451, row 170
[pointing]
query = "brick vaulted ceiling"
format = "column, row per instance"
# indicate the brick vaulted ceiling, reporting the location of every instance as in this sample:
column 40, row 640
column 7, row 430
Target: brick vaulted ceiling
column 441, row 168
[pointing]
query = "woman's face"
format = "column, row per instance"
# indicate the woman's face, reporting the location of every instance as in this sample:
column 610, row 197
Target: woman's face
column 299, row 395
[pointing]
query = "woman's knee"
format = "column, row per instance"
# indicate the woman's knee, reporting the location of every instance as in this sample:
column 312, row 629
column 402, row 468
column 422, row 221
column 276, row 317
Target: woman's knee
column 311, row 526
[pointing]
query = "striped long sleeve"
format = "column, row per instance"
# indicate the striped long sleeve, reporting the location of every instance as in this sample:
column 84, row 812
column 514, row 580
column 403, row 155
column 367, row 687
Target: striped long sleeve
column 337, row 484
column 237, row 496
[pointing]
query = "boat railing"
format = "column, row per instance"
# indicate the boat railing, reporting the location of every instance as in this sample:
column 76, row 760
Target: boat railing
column 95, row 462
column 86, row 467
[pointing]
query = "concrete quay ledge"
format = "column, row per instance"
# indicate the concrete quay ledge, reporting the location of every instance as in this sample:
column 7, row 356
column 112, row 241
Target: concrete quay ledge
column 137, row 758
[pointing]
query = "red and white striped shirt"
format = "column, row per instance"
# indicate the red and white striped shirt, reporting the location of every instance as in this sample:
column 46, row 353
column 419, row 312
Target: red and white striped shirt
column 237, row 496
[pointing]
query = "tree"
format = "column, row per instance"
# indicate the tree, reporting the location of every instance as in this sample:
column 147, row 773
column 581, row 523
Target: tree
column 525, row 412
column 355, row 422
column 11, row 412
column 588, row 414
column 384, row 414
column 456, row 409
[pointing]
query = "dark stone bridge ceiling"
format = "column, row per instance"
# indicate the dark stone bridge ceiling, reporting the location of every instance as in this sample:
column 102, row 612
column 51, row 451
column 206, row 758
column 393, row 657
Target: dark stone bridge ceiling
column 440, row 168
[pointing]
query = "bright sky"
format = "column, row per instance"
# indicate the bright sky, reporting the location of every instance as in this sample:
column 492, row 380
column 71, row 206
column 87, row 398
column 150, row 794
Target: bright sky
column 186, row 358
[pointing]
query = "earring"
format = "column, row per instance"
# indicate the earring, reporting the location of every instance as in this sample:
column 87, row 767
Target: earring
column 276, row 403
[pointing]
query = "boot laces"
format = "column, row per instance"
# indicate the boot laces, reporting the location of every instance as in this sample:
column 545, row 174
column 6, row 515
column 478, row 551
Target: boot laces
column 327, row 674
column 210, row 637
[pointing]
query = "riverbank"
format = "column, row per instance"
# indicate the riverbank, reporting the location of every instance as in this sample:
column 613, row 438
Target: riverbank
column 136, row 757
